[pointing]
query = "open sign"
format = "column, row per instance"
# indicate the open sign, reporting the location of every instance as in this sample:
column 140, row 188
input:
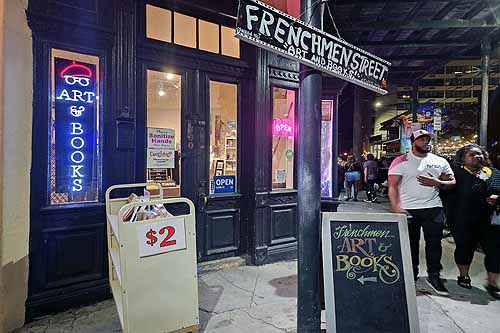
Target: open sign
column 224, row 184
column 282, row 127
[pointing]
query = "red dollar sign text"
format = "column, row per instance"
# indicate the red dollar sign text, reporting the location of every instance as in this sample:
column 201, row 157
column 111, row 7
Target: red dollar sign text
column 152, row 239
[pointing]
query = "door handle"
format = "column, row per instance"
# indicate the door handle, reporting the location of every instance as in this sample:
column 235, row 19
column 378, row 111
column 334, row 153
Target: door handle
column 203, row 200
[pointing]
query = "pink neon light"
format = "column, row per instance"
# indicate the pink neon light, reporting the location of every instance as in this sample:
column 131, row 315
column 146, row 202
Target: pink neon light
column 282, row 127
column 87, row 72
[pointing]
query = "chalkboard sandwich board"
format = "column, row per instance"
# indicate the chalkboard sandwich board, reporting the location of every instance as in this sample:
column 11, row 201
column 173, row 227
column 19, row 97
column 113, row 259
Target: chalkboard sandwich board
column 368, row 275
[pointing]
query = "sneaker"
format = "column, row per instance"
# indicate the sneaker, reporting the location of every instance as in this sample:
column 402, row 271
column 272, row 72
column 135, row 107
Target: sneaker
column 374, row 200
column 464, row 281
column 347, row 198
column 492, row 290
column 355, row 199
column 437, row 285
column 366, row 200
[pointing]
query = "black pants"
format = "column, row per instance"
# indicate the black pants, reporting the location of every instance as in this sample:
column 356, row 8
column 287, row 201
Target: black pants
column 469, row 233
column 370, row 189
column 431, row 221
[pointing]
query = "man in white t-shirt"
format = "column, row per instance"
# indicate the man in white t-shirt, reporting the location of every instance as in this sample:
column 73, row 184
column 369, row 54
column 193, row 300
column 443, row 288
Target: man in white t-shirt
column 414, row 182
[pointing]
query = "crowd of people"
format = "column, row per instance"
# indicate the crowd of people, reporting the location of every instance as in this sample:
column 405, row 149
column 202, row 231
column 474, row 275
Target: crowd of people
column 369, row 172
column 462, row 193
column 465, row 194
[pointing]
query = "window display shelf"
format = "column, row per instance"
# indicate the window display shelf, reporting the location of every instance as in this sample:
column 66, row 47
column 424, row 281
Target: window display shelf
column 230, row 154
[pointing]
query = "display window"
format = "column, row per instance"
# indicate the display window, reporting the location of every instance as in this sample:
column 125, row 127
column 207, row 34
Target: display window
column 223, row 137
column 327, row 110
column 163, row 149
column 283, row 130
column 74, row 155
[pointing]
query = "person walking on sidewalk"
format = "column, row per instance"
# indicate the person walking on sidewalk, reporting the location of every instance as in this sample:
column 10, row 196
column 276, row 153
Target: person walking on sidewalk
column 414, row 182
column 352, row 178
column 371, row 175
column 472, row 203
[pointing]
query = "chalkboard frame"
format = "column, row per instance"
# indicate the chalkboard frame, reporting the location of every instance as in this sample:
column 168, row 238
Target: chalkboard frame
column 329, row 287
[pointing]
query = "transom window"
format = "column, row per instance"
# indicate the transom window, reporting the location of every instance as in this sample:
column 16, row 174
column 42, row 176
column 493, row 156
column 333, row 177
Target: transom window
column 167, row 26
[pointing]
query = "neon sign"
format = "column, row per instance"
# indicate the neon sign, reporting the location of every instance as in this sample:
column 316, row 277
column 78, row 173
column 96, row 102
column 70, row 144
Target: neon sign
column 283, row 127
column 75, row 130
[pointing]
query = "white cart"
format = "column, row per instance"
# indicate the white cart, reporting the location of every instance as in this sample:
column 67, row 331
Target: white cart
column 152, row 267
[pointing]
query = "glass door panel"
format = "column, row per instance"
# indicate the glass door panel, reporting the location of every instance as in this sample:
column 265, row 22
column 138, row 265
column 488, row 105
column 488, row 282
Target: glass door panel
column 283, row 149
column 223, row 137
column 163, row 148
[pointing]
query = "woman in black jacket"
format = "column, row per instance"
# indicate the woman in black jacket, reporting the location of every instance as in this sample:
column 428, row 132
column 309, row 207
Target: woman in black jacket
column 472, row 203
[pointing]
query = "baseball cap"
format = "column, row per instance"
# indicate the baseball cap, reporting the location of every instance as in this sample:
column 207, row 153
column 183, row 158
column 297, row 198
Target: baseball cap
column 420, row 133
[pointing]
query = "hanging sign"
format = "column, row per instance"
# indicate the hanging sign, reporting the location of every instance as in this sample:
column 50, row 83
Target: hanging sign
column 368, row 274
column 75, row 125
column 223, row 184
column 269, row 28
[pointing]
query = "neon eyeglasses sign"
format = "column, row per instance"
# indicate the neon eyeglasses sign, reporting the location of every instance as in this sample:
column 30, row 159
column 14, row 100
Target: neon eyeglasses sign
column 75, row 125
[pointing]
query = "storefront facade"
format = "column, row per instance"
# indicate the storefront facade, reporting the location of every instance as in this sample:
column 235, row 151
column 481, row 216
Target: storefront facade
column 137, row 91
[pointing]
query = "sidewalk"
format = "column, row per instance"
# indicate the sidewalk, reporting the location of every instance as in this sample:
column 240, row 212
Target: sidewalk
column 263, row 299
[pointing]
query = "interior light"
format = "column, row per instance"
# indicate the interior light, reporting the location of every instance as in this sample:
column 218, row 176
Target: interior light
column 170, row 76
column 378, row 104
column 161, row 92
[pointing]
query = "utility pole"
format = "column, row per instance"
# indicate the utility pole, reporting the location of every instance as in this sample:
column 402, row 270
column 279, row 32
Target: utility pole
column 485, row 66
column 309, row 186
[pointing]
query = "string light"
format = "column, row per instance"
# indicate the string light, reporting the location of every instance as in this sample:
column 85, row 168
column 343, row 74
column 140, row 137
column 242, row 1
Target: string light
column 448, row 147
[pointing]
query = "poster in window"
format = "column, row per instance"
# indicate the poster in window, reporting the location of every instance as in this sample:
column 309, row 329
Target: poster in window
column 160, row 158
column 280, row 176
column 161, row 138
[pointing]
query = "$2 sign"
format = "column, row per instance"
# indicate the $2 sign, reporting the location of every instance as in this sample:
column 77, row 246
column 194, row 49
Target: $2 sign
column 162, row 236
column 152, row 239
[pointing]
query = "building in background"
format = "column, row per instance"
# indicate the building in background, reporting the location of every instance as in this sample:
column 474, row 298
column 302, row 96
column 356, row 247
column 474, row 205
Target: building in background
column 456, row 90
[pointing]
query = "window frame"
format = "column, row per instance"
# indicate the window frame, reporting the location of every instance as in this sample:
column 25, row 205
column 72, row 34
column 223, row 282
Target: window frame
column 238, row 83
column 288, row 86
column 142, row 119
column 101, row 105
column 222, row 20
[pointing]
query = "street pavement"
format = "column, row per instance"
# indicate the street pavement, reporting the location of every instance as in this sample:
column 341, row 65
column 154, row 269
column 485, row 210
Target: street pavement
column 249, row 299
